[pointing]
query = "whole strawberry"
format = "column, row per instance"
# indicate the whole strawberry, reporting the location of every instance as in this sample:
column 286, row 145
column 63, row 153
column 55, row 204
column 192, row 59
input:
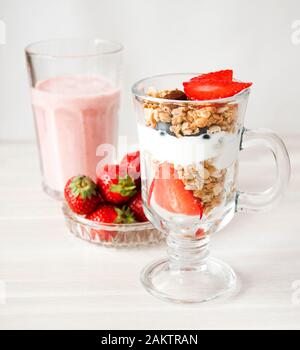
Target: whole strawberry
column 82, row 195
column 136, row 206
column 109, row 214
column 115, row 184
column 132, row 163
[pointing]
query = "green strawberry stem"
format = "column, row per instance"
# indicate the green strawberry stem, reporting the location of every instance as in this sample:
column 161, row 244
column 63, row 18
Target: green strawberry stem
column 125, row 216
column 125, row 187
column 84, row 187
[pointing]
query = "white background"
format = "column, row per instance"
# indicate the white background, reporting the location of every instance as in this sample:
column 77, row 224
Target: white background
column 255, row 38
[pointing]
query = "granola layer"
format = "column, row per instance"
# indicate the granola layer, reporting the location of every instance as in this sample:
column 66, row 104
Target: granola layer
column 206, row 182
column 188, row 120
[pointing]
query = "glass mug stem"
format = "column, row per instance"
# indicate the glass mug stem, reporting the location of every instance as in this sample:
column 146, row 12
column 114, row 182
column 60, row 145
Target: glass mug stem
column 186, row 253
column 263, row 201
column 188, row 274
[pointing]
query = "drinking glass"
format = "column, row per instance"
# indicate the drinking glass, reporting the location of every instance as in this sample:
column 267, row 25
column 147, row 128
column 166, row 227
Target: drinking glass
column 190, row 160
column 75, row 90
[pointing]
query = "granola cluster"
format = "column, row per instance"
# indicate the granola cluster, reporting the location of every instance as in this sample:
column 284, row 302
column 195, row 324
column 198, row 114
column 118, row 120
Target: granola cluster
column 206, row 182
column 192, row 119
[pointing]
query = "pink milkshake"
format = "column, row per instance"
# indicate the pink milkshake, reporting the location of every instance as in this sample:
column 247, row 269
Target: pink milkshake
column 74, row 115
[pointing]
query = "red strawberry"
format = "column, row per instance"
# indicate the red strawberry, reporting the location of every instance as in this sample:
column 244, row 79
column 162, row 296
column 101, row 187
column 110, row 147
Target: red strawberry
column 109, row 214
column 170, row 194
column 226, row 75
column 115, row 184
column 82, row 195
column 209, row 89
column 136, row 206
column 131, row 162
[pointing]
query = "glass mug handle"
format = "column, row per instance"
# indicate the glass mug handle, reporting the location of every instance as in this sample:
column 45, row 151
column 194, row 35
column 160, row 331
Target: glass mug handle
column 263, row 201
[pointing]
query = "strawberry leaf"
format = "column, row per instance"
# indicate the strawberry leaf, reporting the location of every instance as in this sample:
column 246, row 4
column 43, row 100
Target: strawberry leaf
column 84, row 187
column 125, row 187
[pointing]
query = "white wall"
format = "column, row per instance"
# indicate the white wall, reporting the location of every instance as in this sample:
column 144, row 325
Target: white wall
column 252, row 37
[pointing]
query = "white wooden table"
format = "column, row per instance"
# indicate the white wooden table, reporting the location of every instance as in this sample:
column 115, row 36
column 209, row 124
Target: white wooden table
column 52, row 280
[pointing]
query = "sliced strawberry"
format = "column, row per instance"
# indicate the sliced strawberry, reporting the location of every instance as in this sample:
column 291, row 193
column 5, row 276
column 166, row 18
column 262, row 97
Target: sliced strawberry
column 170, row 194
column 151, row 189
column 213, row 89
column 226, row 75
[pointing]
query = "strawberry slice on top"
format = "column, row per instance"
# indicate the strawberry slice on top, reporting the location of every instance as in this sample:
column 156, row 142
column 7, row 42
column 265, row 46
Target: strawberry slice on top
column 209, row 89
column 212, row 86
column 226, row 74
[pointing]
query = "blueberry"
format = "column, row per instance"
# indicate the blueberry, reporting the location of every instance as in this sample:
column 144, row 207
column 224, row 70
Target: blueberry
column 203, row 131
column 164, row 128
column 162, row 133
column 206, row 137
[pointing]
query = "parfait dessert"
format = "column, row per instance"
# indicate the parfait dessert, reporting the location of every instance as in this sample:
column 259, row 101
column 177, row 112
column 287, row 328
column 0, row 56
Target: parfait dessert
column 189, row 138
column 190, row 131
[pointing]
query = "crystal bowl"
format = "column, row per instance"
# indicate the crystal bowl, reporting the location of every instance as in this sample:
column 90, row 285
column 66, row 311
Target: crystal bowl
column 112, row 235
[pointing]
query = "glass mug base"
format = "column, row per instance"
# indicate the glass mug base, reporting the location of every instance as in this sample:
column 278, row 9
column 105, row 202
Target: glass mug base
column 206, row 282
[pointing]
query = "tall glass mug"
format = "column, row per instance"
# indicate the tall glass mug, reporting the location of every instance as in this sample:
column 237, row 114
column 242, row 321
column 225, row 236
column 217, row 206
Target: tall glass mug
column 75, row 97
column 189, row 159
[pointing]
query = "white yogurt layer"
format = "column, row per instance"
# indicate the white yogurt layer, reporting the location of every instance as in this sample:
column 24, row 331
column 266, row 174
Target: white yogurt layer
column 221, row 146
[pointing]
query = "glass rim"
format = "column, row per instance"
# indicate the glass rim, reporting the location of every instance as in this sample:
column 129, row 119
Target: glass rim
column 32, row 48
column 137, row 226
column 145, row 97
